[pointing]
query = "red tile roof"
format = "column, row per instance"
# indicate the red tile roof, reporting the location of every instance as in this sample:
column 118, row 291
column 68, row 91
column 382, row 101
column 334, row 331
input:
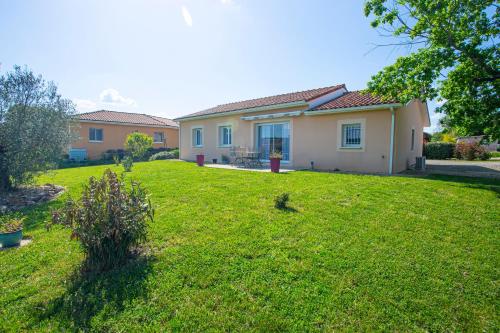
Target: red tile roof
column 126, row 118
column 305, row 96
column 352, row 99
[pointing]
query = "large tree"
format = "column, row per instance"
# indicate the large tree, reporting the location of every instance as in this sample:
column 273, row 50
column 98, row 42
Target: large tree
column 455, row 58
column 34, row 126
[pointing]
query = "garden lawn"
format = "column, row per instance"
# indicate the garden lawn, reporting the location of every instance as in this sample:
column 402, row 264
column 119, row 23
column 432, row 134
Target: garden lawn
column 353, row 252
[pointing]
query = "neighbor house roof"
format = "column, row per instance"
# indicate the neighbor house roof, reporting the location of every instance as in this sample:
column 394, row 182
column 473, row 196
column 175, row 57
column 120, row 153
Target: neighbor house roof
column 299, row 96
column 353, row 99
column 126, row 118
column 347, row 99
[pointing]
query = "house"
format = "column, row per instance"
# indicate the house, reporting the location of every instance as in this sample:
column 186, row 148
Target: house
column 104, row 130
column 331, row 128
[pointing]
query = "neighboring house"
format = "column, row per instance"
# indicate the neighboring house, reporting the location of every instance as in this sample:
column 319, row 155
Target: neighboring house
column 332, row 127
column 103, row 130
column 427, row 137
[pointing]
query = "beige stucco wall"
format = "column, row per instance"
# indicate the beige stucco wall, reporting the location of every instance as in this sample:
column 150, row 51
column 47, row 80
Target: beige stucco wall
column 114, row 136
column 313, row 138
column 408, row 117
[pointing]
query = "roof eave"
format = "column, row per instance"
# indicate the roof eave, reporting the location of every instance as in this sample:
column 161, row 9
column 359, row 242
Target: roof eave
column 122, row 123
column 249, row 110
column 353, row 109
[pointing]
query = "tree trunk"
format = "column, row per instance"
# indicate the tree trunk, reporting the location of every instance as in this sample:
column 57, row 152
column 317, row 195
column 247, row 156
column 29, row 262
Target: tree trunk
column 5, row 184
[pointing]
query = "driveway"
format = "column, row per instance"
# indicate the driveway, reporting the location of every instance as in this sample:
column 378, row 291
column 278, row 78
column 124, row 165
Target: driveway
column 488, row 169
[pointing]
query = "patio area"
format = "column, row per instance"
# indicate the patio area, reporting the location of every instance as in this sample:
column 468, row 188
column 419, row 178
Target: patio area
column 234, row 167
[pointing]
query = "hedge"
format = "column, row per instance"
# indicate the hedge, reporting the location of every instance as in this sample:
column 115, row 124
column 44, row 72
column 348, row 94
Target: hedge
column 439, row 150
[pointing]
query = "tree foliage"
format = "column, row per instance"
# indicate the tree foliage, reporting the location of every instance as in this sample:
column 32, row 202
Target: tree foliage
column 456, row 58
column 34, row 123
column 138, row 144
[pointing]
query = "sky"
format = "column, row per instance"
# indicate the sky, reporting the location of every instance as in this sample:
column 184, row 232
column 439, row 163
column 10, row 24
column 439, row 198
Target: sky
column 174, row 57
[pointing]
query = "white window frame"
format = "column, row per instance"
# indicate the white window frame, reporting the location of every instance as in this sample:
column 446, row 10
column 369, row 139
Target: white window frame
column 102, row 134
column 413, row 136
column 162, row 135
column 220, row 140
column 200, row 128
column 340, row 135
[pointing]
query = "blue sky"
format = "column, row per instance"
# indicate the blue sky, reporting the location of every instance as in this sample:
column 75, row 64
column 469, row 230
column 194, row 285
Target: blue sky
column 174, row 57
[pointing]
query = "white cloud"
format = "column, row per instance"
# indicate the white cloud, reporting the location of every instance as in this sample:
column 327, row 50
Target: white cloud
column 112, row 96
column 226, row 2
column 187, row 17
column 84, row 104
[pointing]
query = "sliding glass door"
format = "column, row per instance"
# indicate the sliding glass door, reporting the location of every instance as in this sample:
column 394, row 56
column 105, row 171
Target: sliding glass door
column 273, row 137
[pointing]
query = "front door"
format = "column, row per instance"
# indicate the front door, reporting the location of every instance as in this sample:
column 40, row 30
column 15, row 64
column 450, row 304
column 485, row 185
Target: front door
column 274, row 137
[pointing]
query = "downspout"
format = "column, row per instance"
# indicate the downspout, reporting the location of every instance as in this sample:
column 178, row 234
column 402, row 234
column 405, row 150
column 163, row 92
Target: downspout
column 391, row 152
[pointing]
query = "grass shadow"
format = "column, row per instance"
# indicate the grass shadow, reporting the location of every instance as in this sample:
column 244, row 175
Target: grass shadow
column 288, row 209
column 103, row 294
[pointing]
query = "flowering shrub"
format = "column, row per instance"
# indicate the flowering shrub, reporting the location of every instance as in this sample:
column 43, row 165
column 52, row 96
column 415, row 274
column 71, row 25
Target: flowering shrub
column 109, row 220
column 471, row 151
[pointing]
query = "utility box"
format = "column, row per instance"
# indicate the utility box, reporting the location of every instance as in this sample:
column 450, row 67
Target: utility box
column 420, row 163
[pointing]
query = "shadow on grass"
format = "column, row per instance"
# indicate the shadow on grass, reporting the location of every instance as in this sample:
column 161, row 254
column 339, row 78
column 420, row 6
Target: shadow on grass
column 287, row 209
column 104, row 294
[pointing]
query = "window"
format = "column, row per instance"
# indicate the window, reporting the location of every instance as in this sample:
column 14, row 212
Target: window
column 197, row 137
column 351, row 135
column 95, row 134
column 412, row 139
column 225, row 136
column 273, row 137
column 159, row 137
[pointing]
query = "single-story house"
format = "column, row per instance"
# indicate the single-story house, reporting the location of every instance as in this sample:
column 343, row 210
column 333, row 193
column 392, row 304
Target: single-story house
column 103, row 130
column 330, row 128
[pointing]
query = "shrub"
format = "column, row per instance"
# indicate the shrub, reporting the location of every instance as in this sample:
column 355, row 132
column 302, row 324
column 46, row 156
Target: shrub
column 471, row 151
column 116, row 159
column 127, row 163
column 439, row 150
column 276, row 154
column 164, row 155
column 281, row 201
column 225, row 159
column 109, row 221
column 138, row 144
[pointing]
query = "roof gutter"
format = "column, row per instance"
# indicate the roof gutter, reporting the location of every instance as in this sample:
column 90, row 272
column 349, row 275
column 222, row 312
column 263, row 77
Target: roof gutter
column 249, row 110
column 354, row 109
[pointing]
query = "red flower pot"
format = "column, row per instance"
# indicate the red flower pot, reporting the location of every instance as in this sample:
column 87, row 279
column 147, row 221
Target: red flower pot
column 200, row 160
column 275, row 164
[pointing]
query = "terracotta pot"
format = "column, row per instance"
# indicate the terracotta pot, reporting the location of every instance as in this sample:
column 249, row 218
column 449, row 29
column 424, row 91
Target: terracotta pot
column 275, row 164
column 200, row 160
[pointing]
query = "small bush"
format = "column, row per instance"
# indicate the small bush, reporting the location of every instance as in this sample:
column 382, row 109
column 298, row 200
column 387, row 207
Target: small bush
column 116, row 159
column 439, row 150
column 225, row 159
column 138, row 144
column 281, row 201
column 127, row 163
column 164, row 155
column 109, row 221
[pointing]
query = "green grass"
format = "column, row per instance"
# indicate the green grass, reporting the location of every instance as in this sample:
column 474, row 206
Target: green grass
column 356, row 253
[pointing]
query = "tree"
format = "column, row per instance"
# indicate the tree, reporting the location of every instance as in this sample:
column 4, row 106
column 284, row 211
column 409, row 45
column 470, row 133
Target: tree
column 34, row 126
column 138, row 144
column 456, row 60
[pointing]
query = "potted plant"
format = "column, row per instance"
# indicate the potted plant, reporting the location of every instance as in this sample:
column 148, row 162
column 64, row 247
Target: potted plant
column 275, row 158
column 11, row 232
column 200, row 159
